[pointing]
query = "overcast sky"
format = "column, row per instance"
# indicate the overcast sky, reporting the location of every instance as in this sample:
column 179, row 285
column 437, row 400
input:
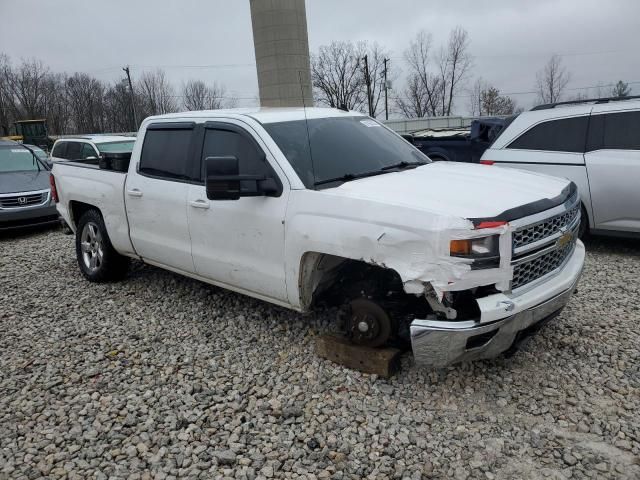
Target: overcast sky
column 510, row 39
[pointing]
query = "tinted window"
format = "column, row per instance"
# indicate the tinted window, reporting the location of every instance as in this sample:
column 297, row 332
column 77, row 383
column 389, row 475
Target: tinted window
column 620, row 131
column 165, row 153
column 564, row 135
column 340, row 146
column 74, row 150
column 59, row 150
column 220, row 143
column 88, row 151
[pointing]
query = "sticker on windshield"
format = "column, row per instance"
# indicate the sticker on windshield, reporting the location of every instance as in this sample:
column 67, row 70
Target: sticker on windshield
column 369, row 123
column 19, row 150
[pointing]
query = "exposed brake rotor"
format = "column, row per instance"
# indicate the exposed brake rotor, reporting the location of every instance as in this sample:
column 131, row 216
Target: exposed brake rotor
column 368, row 323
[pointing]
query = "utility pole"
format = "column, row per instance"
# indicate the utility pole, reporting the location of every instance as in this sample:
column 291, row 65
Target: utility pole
column 367, row 80
column 386, row 100
column 133, row 99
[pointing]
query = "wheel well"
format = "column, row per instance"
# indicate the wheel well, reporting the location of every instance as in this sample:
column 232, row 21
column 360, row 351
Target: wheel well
column 334, row 281
column 319, row 272
column 586, row 213
column 77, row 209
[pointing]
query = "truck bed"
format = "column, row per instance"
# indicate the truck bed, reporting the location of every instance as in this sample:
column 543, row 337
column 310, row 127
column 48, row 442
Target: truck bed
column 83, row 183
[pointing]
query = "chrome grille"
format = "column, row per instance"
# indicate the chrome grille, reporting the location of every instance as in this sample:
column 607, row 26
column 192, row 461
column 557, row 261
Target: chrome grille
column 543, row 246
column 19, row 200
column 526, row 272
column 545, row 228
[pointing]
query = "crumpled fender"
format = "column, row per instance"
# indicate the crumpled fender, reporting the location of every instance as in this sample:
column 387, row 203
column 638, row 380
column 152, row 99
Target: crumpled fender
column 413, row 242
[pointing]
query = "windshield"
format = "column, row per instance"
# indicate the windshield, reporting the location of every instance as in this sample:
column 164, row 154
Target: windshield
column 17, row 159
column 340, row 146
column 123, row 146
column 42, row 155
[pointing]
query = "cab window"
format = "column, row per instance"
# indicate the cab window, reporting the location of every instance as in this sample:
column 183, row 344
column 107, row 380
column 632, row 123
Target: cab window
column 166, row 152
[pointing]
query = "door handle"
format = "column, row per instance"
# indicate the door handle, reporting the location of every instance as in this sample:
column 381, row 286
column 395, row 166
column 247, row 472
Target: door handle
column 134, row 192
column 199, row 204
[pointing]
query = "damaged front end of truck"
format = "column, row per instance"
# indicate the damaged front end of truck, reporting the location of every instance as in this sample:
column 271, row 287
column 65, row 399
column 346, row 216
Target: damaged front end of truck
column 472, row 291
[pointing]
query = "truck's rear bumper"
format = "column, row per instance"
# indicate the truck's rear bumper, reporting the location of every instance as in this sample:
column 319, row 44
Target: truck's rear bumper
column 439, row 343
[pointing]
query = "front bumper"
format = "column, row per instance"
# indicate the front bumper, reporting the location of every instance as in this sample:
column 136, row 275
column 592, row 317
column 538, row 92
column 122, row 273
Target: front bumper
column 438, row 343
column 28, row 216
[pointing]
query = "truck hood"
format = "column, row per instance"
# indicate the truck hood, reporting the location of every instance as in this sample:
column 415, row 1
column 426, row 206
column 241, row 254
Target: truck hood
column 12, row 182
column 461, row 189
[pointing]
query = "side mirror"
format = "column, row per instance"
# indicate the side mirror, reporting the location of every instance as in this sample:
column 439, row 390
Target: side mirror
column 91, row 158
column 222, row 178
column 224, row 182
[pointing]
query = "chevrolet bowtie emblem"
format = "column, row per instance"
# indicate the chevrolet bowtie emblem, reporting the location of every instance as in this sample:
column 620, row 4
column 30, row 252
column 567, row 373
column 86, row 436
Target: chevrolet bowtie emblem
column 565, row 239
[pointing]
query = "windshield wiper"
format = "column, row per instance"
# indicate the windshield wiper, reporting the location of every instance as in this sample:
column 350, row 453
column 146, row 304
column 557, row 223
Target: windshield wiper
column 36, row 160
column 403, row 164
column 354, row 176
column 349, row 176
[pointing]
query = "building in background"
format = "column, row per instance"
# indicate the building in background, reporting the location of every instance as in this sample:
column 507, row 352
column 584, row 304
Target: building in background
column 282, row 52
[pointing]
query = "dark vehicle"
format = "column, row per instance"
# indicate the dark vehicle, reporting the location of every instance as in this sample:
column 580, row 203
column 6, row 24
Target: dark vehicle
column 458, row 145
column 25, row 193
column 33, row 132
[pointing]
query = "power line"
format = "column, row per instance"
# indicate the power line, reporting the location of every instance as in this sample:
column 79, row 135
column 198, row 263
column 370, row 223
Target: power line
column 533, row 92
column 540, row 54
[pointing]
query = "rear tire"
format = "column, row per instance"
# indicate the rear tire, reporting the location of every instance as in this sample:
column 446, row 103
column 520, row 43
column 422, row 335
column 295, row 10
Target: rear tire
column 97, row 259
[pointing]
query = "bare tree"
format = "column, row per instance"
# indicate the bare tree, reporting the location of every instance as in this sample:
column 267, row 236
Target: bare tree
column 197, row 95
column 375, row 56
column 6, row 113
column 336, row 75
column 117, row 106
column 85, row 97
column 422, row 95
column 26, row 86
column 475, row 97
column 552, row 80
column 56, row 106
column 156, row 95
column 454, row 64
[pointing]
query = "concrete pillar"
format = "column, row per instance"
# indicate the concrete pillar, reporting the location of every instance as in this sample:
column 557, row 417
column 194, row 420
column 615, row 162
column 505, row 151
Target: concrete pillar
column 282, row 52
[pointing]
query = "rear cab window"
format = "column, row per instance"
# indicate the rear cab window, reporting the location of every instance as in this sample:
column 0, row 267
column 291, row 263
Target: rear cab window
column 167, row 151
column 74, row 151
column 59, row 150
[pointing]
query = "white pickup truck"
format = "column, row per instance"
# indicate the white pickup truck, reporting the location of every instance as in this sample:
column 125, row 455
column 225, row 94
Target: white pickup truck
column 319, row 206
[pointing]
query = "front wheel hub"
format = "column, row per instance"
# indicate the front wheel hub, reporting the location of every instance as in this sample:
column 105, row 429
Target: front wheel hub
column 369, row 325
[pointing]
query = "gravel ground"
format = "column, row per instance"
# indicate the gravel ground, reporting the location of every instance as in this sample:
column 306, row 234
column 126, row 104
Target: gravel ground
column 163, row 377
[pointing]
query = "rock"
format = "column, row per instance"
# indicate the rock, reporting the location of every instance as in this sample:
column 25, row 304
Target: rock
column 225, row 457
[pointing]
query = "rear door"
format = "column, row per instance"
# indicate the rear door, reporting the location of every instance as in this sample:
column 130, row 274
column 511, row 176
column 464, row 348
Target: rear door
column 239, row 243
column 613, row 166
column 156, row 196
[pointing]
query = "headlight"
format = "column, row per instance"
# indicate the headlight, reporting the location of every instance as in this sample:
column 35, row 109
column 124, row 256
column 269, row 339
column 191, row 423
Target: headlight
column 483, row 250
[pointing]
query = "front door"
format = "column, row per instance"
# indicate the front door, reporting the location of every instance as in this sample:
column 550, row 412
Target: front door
column 239, row 243
column 613, row 166
column 156, row 196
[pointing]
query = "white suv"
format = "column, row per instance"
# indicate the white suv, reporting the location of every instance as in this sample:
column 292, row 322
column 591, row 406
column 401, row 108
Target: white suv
column 89, row 147
column 594, row 143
